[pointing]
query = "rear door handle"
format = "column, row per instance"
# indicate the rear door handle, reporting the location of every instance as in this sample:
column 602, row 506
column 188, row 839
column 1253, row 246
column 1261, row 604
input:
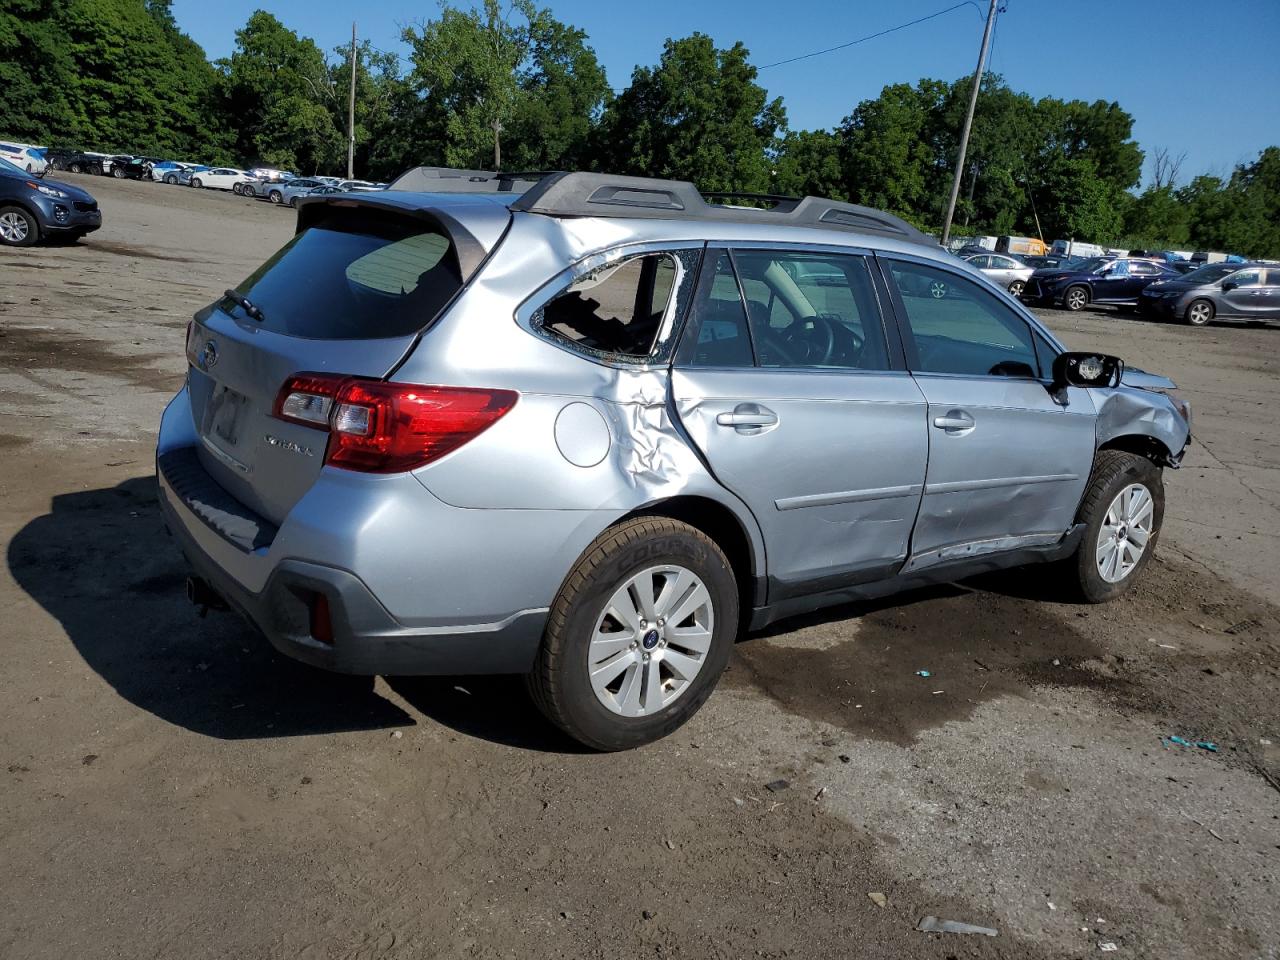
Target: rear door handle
column 956, row 421
column 748, row 417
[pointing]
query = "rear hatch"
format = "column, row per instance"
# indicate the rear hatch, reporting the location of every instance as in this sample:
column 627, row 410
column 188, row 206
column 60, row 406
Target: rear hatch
column 347, row 295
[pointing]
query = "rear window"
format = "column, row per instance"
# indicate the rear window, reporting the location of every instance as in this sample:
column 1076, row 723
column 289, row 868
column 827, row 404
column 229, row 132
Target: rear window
column 354, row 277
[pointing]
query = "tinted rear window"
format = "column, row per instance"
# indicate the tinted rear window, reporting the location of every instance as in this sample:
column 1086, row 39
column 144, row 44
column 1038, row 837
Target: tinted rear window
column 355, row 276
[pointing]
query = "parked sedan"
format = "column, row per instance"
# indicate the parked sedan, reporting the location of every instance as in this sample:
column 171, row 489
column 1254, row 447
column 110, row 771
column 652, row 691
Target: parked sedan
column 184, row 176
column 32, row 208
column 289, row 192
column 218, row 178
column 1003, row 270
column 1114, row 281
column 25, row 156
column 1219, row 291
column 166, row 171
column 73, row 161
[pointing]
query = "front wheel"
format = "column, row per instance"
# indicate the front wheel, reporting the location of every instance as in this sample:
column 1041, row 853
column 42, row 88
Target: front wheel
column 1122, row 510
column 275, row 196
column 17, row 227
column 196, row 182
column 74, row 168
column 638, row 635
column 1075, row 299
column 117, row 172
column 1016, row 289
column 1199, row 313
column 170, row 178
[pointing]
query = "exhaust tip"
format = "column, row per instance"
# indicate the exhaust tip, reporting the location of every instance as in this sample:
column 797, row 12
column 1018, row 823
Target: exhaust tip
column 200, row 594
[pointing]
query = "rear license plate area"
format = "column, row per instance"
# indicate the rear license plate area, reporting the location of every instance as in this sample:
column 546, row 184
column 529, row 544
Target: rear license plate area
column 224, row 418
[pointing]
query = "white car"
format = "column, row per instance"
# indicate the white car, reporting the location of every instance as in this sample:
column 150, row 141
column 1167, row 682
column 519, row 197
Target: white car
column 24, row 155
column 218, row 178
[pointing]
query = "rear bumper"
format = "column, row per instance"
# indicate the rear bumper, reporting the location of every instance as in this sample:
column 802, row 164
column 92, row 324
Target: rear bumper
column 413, row 586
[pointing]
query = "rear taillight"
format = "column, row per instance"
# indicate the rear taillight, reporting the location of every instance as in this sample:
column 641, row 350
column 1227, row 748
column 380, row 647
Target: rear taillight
column 378, row 427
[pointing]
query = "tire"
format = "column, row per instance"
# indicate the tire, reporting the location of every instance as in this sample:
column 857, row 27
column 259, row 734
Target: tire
column 237, row 189
column 74, row 168
column 170, row 179
column 197, row 182
column 275, row 196
column 1016, row 288
column 18, row 228
column 117, row 172
column 293, row 202
column 1198, row 313
column 662, row 553
column 1076, row 298
column 1115, row 474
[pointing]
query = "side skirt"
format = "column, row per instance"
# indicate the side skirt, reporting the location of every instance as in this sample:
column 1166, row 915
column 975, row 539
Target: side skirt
column 948, row 572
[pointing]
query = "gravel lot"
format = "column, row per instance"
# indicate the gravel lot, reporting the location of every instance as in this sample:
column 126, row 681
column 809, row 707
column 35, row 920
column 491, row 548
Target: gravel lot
column 172, row 788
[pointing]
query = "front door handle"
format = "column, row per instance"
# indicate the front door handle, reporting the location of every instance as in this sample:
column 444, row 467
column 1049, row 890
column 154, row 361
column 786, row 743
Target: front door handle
column 956, row 421
column 748, row 418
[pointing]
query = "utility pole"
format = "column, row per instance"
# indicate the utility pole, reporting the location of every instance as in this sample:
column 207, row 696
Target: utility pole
column 351, row 111
column 968, row 122
column 497, row 146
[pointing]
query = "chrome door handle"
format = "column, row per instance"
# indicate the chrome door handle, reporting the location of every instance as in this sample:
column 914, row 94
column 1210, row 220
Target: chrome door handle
column 954, row 420
column 762, row 419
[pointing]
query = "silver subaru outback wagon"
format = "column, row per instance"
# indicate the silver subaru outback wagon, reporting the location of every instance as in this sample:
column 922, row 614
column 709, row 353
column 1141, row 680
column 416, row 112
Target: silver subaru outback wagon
column 591, row 428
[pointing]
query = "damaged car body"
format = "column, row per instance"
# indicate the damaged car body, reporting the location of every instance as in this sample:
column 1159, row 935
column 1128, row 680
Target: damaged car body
column 588, row 428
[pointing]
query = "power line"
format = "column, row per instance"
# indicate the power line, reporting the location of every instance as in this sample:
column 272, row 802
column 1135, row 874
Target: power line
column 873, row 36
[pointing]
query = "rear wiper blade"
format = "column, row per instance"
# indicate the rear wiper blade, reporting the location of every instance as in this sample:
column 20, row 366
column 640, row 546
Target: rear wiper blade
column 250, row 307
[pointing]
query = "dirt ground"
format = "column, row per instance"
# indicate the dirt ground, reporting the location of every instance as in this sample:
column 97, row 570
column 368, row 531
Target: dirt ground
column 170, row 787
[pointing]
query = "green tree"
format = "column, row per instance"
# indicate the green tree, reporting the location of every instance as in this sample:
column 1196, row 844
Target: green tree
column 36, row 71
column 698, row 115
column 279, row 89
column 520, row 78
column 808, row 164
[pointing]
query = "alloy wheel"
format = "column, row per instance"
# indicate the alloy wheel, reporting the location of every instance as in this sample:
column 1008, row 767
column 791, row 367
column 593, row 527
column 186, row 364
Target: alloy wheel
column 13, row 227
column 1125, row 533
column 651, row 640
column 1076, row 299
column 1199, row 313
column 1016, row 288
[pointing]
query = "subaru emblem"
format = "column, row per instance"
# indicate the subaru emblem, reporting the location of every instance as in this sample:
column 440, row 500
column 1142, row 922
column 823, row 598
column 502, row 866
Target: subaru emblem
column 209, row 355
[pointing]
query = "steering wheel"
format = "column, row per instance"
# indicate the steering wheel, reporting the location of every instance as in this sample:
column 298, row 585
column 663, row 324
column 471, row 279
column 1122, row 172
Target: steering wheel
column 817, row 350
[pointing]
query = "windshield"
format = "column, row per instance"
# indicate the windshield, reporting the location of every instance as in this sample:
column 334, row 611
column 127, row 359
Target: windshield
column 1211, row 273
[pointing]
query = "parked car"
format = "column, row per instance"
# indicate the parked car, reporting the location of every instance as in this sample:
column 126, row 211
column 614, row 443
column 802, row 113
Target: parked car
column 1074, row 248
column 132, row 168
column 1114, row 281
column 167, row 171
column 1216, row 291
column 1049, row 260
column 24, row 156
column 73, row 161
column 33, row 208
column 218, row 178
column 360, row 185
column 183, row 177
column 1004, row 271
column 288, row 192
column 338, row 464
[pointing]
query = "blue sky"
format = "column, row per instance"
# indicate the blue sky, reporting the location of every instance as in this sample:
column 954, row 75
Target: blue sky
column 1197, row 76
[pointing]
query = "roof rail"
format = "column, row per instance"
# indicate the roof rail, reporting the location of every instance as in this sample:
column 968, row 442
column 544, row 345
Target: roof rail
column 560, row 194
column 451, row 180
column 605, row 195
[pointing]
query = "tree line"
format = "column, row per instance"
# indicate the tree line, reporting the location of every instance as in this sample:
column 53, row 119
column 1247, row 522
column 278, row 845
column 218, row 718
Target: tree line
column 515, row 85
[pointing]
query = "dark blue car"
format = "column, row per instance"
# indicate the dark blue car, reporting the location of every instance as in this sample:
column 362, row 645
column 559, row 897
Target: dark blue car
column 1114, row 281
column 32, row 208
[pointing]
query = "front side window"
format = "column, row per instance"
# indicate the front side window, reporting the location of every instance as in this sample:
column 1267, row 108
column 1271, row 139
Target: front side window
column 619, row 309
column 811, row 310
column 1118, row 269
column 1246, row 278
column 957, row 327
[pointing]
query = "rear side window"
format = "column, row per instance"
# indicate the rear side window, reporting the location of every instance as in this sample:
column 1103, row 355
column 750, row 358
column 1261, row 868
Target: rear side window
column 619, row 309
column 355, row 277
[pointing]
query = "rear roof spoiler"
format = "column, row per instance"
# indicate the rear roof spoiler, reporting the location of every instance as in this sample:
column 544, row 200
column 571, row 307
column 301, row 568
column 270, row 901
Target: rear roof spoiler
column 561, row 194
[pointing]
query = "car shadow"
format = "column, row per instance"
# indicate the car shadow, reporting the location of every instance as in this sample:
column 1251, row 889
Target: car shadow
column 102, row 564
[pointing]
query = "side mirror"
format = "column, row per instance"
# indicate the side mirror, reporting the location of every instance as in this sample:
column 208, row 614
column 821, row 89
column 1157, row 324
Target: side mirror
column 1086, row 370
column 1229, row 285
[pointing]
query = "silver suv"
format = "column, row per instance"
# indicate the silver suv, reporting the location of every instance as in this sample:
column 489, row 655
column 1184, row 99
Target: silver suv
column 592, row 428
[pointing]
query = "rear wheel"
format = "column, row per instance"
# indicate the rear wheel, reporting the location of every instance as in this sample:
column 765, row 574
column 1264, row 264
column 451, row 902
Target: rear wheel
column 197, row 182
column 170, row 178
column 1076, row 298
column 1017, row 287
column 1122, row 510
column 638, row 635
column 117, row 172
column 1199, row 312
column 275, row 196
column 237, row 189
column 74, row 168
column 17, row 227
